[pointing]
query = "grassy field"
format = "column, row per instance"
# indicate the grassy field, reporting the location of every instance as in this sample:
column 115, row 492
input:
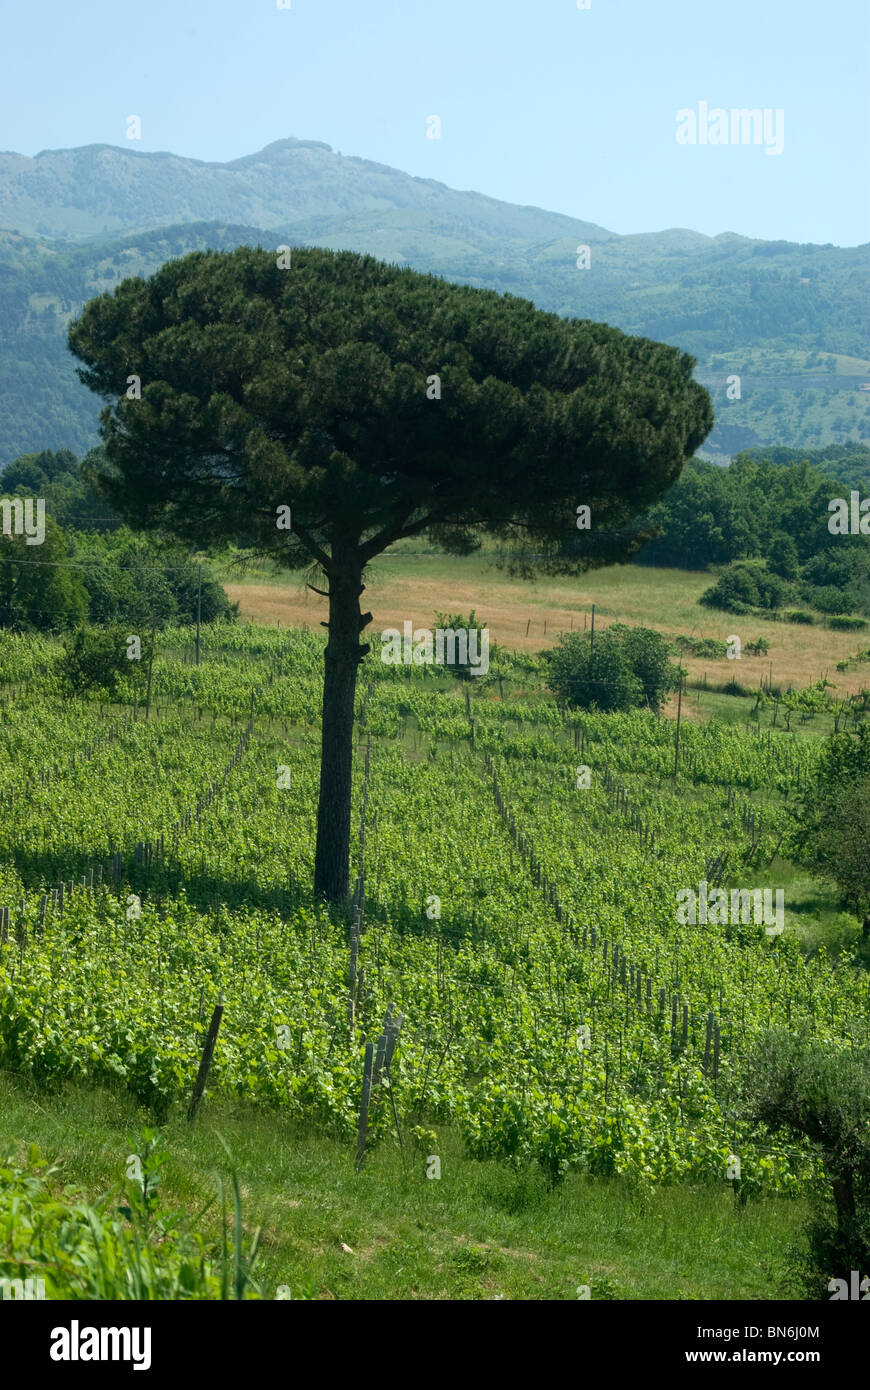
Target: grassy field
column 527, row 616
column 482, row 1231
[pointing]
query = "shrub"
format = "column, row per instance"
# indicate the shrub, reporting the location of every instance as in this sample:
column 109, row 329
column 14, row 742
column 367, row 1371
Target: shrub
column 748, row 583
column 95, row 659
column 710, row 647
column 797, row 615
column 456, row 622
column 827, row 599
column 846, row 622
column 733, row 687
column 821, row 1095
column 588, row 676
column 624, row 668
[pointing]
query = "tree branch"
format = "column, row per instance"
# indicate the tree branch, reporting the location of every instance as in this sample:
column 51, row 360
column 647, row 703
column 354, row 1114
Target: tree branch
column 320, row 556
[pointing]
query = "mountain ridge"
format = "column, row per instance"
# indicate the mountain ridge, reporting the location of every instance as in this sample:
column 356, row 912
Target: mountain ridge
column 73, row 223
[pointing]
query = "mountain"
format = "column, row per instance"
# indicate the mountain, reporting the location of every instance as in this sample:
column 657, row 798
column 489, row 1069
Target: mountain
column 101, row 190
column 788, row 319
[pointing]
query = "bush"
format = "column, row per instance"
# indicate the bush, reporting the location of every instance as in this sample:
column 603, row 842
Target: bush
column 827, row 599
column 455, row 622
column 797, row 615
column 846, row 622
column 709, row 647
column 747, row 583
column 783, row 556
column 624, row 669
column 821, row 1095
column 95, row 659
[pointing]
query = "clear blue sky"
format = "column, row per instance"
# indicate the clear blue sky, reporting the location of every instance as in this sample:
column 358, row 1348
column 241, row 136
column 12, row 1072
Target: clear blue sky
column 541, row 103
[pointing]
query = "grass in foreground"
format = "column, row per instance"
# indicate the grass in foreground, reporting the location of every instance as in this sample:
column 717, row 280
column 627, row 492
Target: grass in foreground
column 483, row 1231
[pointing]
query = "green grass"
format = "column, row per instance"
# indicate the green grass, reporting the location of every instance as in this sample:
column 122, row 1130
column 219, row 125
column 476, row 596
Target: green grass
column 483, row 1231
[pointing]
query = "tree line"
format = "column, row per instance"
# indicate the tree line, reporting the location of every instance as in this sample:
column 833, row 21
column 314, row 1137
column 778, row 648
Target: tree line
column 90, row 567
column 763, row 523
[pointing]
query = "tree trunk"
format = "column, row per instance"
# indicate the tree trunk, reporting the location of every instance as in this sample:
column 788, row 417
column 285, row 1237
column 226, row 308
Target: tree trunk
column 341, row 659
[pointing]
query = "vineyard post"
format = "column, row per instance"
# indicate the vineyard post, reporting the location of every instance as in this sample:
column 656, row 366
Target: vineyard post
column 677, row 735
column 380, row 1055
column 392, row 1038
column 708, row 1042
column 362, row 1131
column 205, row 1061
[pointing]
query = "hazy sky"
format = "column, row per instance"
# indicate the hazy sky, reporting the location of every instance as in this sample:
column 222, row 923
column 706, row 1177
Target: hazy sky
column 540, row 102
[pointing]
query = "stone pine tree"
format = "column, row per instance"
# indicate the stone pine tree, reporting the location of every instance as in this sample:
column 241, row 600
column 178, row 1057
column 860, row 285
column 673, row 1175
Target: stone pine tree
column 359, row 403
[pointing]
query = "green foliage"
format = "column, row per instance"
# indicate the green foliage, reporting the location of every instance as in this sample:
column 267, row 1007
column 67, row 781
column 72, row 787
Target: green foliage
column 89, row 565
column 134, row 580
column 456, row 622
column 842, row 463
column 845, row 622
column 39, row 585
column 587, row 675
column 831, row 826
column 250, row 414
column 748, row 584
column 710, row 647
column 63, row 483
column 622, row 669
column 646, row 653
column 95, row 659
column 758, row 510
column 820, row 1092
column 124, row 1246
column 783, row 558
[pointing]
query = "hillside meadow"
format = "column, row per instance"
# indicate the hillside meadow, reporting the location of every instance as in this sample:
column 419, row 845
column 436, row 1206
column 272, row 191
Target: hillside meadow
column 527, row 616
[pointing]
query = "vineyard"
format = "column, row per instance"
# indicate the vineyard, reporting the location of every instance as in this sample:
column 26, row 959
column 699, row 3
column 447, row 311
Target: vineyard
column 513, row 936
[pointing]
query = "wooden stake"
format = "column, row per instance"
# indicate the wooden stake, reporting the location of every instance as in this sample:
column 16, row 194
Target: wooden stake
column 205, row 1061
column 362, row 1131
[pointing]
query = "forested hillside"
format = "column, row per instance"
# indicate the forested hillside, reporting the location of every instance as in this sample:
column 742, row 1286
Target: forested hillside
column 788, row 319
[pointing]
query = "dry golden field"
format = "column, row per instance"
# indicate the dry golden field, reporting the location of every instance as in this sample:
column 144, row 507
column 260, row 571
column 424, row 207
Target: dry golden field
column 529, row 615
